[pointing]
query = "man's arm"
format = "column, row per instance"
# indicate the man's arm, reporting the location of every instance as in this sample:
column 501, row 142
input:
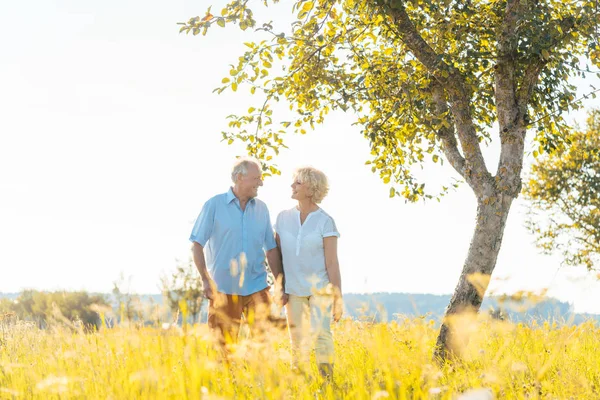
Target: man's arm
column 207, row 282
column 333, row 272
column 274, row 259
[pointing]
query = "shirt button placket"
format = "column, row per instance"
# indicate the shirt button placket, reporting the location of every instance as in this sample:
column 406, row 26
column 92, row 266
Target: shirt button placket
column 298, row 241
column 244, row 235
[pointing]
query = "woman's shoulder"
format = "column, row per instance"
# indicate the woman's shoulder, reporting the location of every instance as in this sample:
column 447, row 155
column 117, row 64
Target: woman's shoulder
column 325, row 215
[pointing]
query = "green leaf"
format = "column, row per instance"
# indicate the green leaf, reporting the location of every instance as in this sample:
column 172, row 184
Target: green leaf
column 545, row 54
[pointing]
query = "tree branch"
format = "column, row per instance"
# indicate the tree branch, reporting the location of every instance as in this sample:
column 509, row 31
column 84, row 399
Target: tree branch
column 505, row 90
column 533, row 70
column 454, row 84
column 407, row 33
column 447, row 135
column 510, row 120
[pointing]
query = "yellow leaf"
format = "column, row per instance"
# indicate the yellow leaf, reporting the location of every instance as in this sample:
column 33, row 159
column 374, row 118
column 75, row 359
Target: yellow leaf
column 234, row 86
column 225, row 80
column 308, row 6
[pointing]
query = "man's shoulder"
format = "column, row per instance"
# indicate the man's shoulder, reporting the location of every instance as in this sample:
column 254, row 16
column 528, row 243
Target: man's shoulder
column 287, row 212
column 217, row 199
column 259, row 204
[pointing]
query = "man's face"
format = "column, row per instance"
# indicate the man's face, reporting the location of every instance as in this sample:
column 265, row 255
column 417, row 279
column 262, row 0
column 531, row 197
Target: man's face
column 248, row 184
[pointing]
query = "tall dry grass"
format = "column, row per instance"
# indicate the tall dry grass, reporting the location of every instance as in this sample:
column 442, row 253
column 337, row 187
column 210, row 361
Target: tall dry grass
column 392, row 360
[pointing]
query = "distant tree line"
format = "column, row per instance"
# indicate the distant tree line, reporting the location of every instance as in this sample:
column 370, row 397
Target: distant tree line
column 520, row 307
column 181, row 294
column 181, row 300
column 43, row 308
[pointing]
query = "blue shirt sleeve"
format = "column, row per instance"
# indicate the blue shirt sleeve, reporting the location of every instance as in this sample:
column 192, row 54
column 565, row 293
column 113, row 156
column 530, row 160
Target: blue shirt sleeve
column 269, row 242
column 204, row 224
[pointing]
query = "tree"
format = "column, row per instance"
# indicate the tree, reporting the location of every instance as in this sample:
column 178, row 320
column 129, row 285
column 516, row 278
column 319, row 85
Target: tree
column 564, row 187
column 128, row 305
column 68, row 307
column 184, row 288
column 425, row 81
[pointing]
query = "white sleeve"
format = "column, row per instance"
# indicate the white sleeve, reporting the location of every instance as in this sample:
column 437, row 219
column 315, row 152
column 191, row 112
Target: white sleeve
column 277, row 225
column 329, row 228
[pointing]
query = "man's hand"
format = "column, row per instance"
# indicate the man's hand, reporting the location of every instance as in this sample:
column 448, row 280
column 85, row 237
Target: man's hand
column 338, row 308
column 284, row 299
column 209, row 289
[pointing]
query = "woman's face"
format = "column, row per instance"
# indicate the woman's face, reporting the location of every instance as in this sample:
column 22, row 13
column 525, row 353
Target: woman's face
column 300, row 191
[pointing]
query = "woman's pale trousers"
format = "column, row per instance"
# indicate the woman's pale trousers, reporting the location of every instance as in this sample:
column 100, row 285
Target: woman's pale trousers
column 309, row 323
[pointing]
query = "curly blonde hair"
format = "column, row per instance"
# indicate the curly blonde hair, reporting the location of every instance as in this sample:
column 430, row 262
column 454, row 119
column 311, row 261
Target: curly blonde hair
column 318, row 187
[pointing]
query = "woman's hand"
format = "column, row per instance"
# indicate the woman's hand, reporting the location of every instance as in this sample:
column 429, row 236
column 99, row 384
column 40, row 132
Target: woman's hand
column 338, row 308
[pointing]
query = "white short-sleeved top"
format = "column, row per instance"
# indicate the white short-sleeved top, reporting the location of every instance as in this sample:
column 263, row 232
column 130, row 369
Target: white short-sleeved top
column 302, row 249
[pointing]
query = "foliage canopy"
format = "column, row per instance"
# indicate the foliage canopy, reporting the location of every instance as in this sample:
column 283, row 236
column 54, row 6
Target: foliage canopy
column 384, row 62
column 565, row 186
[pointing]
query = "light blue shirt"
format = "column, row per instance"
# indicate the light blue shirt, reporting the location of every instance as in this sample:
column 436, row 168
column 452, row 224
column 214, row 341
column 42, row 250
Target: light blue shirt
column 235, row 242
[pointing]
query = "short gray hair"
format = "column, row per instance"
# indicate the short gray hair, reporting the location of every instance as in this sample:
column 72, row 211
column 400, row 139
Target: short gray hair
column 241, row 166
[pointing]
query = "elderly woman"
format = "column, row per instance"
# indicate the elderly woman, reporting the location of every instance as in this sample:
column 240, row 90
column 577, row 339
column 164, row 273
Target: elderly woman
column 307, row 237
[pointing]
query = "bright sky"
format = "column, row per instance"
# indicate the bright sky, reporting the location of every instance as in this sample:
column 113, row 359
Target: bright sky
column 110, row 144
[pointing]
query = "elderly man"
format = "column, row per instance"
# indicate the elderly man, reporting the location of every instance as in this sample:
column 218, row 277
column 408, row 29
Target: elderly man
column 230, row 238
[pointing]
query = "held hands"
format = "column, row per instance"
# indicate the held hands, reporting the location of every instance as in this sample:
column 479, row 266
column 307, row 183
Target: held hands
column 281, row 298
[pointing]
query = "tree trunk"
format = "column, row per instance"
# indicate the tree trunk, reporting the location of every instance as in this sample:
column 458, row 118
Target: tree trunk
column 492, row 212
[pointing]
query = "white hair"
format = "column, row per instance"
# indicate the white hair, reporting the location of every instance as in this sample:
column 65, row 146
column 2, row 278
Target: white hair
column 240, row 167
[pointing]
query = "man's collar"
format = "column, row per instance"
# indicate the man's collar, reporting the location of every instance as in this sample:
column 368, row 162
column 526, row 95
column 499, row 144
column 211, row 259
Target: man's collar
column 231, row 196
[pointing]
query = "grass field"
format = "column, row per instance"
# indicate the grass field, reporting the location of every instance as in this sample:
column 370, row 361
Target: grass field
column 374, row 361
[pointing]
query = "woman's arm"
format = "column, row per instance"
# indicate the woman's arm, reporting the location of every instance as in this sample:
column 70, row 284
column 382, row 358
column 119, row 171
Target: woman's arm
column 333, row 271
